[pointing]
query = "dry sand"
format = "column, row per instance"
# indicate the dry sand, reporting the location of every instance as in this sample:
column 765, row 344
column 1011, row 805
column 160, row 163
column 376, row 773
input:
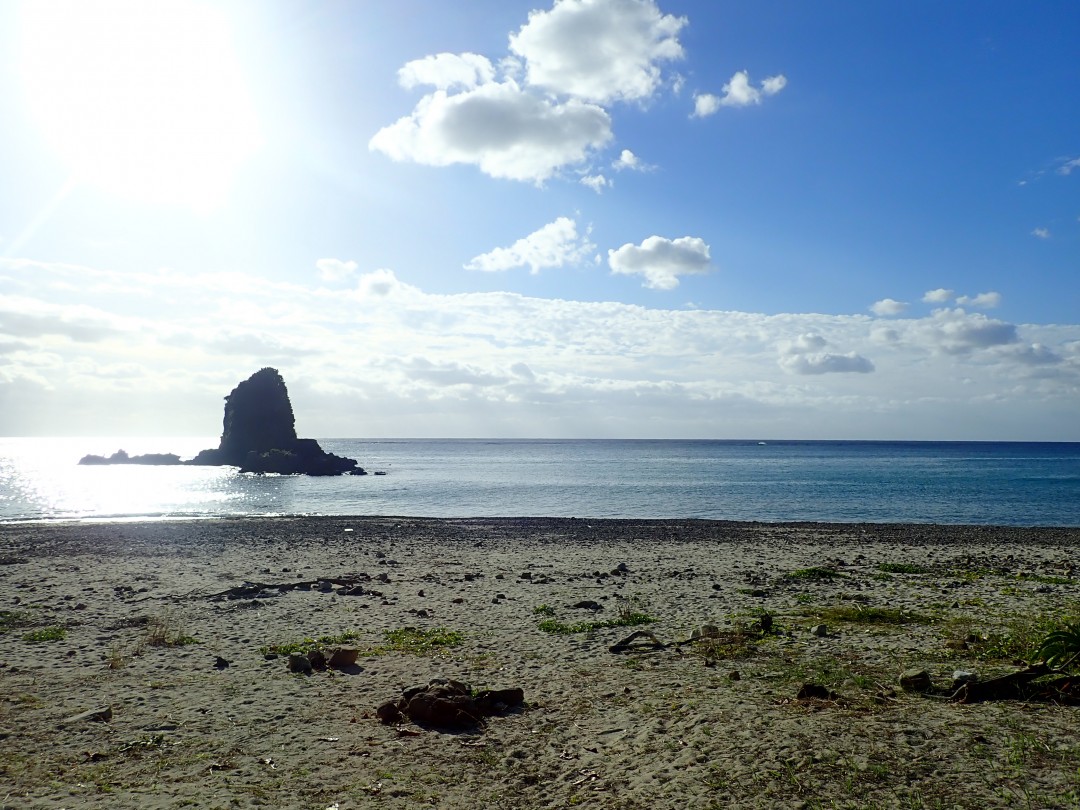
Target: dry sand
column 713, row 725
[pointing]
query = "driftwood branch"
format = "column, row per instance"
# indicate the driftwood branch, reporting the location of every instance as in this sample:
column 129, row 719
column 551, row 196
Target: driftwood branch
column 1020, row 686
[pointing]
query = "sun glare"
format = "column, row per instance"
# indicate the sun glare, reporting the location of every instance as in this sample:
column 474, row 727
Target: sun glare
column 142, row 99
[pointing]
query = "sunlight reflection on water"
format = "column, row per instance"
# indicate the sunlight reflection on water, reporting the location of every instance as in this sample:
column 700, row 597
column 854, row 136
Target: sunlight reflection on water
column 42, row 476
column 984, row 483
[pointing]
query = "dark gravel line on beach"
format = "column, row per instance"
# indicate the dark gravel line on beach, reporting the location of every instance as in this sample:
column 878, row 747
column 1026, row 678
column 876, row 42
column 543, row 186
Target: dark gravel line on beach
column 181, row 538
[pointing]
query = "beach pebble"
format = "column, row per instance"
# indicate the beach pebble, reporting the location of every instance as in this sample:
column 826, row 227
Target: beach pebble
column 915, row 680
column 961, row 677
column 587, row 604
column 300, row 664
column 814, row 691
column 343, row 657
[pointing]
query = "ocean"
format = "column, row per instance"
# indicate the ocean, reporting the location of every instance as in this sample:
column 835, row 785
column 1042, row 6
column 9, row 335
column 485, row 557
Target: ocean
column 984, row 483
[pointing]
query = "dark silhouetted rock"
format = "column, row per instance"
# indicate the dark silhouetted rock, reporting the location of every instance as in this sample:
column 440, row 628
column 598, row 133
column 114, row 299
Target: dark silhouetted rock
column 259, row 436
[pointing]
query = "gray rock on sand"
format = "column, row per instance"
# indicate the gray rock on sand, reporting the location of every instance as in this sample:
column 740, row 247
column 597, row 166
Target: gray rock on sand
column 915, row 680
column 962, row 677
column 587, row 604
column 815, row 691
column 300, row 664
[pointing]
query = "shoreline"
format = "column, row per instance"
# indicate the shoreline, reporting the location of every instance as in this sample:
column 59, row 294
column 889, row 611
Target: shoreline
column 148, row 610
column 789, row 524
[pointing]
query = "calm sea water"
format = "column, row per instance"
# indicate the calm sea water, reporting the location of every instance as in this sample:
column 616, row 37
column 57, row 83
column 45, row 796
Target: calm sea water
column 1018, row 484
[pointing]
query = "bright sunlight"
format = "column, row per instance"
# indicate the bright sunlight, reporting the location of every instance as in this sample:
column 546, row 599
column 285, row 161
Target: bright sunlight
column 145, row 100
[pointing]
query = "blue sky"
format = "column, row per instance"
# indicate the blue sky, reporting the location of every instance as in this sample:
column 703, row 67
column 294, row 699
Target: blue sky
column 627, row 218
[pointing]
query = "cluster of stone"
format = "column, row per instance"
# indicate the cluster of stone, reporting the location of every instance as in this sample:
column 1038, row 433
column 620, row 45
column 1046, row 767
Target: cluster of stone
column 445, row 703
column 259, row 436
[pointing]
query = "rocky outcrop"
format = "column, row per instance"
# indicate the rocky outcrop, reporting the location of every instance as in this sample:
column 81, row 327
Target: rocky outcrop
column 121, row 457
column 258, row 436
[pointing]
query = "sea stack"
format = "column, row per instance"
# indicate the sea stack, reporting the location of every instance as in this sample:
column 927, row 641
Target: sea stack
column 258, row 436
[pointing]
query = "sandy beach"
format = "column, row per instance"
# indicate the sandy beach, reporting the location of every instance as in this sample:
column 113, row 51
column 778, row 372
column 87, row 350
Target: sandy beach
column 148, row 664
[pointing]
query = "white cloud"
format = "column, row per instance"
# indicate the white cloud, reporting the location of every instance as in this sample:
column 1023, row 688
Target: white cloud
column 379, row 284
column 385, row 358
column 938, row 296
column 447, row 70
column 738, row 92
column 504, row 131
column 806, row 355
column 888, row 306
column 1041, row 233
column 661, row 261
column 597, row 182
column 543, row 108
column 557, row 244
column 705, row 104
column 773, row 85
column 335, row 269
column 826, row 363
column 986, row 300
column 628, row 160
column 1068, row 166
column 954, row 331
column 1037, row 354
column 598, row 50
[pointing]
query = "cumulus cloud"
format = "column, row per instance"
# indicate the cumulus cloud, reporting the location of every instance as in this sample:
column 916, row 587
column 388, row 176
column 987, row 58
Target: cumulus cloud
column 986, row 300
column 807, row 354
column 705, row 104
column 1036, row 354
column 504, row 131
column 773, row 85
column 442, row 373
column 938, row 296
column 543, row 108
column 386, row 358
column 557, row 244
column 628, row 160
column 598, row 50
column 378, row 284
column 738, row 92
column 661, row 261
column 335, row 269
column 23, row 317
column 597, row 182
column 887, row 307
column 1041, row 233
column 955, row 331
column 447, row 70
